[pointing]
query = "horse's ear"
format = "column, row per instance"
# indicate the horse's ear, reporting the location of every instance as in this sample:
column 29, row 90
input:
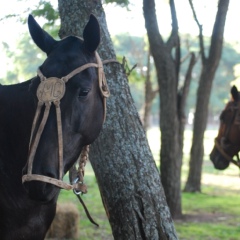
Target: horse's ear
column 91, row 34
column 234, row 93
column 41, row 38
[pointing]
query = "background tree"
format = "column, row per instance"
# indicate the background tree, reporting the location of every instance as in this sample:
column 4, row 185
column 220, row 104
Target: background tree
column 150, row 93
column 172, row 102
column 209, row 67
column 126, row 173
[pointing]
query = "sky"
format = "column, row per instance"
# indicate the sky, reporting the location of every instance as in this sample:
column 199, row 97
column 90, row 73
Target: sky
column 121, row 20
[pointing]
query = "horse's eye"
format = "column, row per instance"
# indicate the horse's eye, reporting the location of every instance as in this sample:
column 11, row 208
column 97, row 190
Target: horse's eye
column 83, row 93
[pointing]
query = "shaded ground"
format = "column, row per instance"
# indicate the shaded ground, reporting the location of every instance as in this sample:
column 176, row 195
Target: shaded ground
column 205, row 217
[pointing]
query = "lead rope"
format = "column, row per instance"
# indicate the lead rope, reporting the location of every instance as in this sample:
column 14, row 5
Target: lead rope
column 79, row 174
column 80, row 179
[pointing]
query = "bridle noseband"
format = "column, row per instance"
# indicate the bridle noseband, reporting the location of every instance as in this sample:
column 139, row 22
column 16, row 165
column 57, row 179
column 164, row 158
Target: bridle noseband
column 220, row 146
column 51, row 91
column 226, row 156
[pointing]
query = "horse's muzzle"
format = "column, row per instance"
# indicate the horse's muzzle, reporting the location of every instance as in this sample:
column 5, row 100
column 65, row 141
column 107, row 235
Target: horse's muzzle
column 41, row 191
column 218, row 160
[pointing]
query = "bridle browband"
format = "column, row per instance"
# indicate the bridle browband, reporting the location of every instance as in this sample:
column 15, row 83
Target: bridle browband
column 220, row 146
column 51, row 91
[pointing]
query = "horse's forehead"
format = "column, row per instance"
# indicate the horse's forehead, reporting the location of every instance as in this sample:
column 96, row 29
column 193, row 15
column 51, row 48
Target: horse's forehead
column 70, row 44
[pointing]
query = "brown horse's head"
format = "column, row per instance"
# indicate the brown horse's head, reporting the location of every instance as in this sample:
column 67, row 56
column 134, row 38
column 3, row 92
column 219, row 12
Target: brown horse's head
column 227, row 143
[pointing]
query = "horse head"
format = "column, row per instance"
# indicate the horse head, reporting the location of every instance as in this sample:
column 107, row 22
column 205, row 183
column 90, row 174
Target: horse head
column 81, row 105
column 227, row 142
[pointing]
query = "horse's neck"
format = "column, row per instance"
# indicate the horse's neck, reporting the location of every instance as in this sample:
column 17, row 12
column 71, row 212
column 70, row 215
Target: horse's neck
column 16, row 114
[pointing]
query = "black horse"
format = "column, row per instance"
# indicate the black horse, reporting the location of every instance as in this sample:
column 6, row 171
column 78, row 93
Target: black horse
column 27, row 210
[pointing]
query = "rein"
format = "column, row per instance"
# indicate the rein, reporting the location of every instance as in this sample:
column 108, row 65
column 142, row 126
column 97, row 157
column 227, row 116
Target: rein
column 51, row 91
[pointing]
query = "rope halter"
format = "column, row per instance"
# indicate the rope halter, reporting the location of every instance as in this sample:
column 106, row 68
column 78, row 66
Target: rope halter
column 51, row 91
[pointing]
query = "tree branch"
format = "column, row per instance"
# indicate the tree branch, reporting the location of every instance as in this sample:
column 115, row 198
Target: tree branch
column 201, row 41
column 151, row 24
column 217, row 34
column 183, row 93
column 173, row 39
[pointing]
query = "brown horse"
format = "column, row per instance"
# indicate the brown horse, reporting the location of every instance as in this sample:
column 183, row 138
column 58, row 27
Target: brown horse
column 227, row 143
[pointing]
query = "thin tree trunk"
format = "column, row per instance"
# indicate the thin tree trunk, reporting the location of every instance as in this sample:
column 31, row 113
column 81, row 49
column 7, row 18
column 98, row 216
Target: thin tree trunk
column 167, row 74
column 209, row 67
column 150, row 95
column 127, row 176
column 182, row 95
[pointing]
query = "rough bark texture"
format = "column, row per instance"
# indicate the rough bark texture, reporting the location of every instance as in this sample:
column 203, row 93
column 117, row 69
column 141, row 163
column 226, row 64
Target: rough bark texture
column 127, row 176
column 166, row 67
column 209, row 67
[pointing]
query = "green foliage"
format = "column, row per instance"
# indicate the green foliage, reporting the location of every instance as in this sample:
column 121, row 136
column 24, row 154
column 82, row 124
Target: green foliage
column 46, row 10
column 25, row 60
column 132, row 47
column 135, row 51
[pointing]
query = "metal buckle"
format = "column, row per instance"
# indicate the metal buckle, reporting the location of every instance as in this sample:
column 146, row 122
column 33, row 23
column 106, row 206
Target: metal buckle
column 77, row 192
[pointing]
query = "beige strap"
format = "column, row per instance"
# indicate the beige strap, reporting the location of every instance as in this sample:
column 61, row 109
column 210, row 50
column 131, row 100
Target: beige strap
column 36, row 117
column 58, row 183
column 33, row 147
column 78, row 70
column 60, row 138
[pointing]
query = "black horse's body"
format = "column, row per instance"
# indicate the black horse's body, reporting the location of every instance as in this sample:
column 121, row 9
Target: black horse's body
column 19, row 214
column 27, row 210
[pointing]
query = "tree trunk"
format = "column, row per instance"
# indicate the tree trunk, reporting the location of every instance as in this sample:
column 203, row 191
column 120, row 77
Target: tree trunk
column 167, row 74
column 209, row 67
column 150, row 95
column 126, row 173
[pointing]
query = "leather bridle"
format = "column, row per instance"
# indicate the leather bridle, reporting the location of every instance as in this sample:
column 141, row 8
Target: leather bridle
column 221, row 146
column 50, row 91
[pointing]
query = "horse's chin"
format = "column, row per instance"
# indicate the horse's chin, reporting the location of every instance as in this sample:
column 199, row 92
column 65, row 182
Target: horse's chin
column 219, row 162
column 41, row 192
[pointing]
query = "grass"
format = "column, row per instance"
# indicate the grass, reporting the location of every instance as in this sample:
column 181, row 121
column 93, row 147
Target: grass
column 213, row 214
column 92, row 200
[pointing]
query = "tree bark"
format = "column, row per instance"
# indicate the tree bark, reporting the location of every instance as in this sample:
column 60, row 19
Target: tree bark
column 172, row 102
column 126, row 173
column 209, row 67
column 167, row 74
